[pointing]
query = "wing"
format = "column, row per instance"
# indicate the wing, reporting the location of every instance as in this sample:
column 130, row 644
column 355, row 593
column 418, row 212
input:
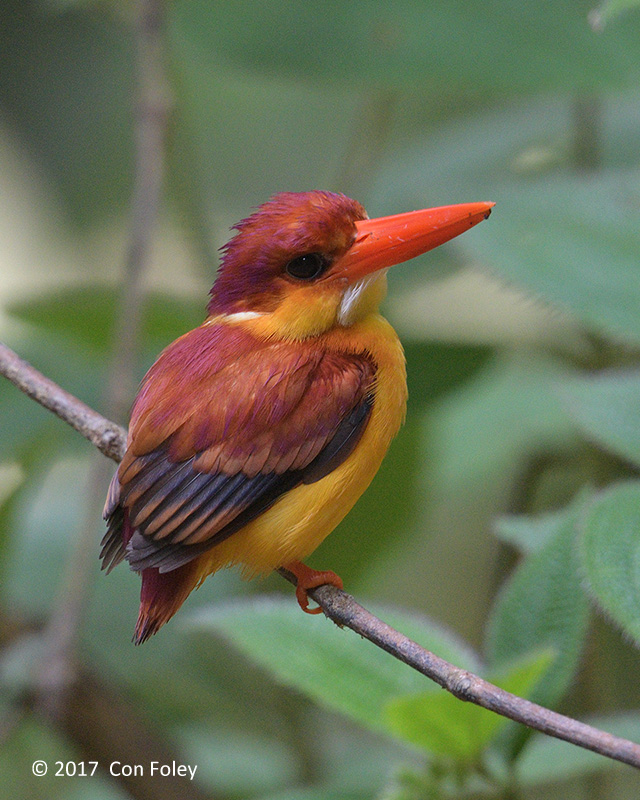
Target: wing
column 224, row 424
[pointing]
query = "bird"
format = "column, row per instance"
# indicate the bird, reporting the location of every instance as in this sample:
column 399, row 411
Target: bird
column 253, row 435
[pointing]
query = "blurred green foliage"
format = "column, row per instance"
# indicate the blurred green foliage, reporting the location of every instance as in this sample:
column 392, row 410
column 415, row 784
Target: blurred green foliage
column 509, row 504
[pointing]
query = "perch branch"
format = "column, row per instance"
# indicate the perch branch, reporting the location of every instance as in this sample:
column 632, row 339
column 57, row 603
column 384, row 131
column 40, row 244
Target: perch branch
column 342, row 608
column 345, row 611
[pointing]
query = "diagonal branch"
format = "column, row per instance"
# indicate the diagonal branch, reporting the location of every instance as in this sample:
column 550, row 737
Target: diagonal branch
column 108, row 437
column 336, row 604
column 345, row 611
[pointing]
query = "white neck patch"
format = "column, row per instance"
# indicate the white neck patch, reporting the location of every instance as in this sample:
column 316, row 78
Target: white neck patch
column 352, row 300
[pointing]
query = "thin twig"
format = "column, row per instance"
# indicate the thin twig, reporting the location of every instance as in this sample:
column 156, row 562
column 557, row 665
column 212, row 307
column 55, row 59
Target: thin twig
column 344, row 610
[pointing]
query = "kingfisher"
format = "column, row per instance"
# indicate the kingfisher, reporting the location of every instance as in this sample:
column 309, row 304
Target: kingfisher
column 253, row 435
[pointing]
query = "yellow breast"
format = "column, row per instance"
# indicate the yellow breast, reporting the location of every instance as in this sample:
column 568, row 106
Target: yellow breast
column 299, row 521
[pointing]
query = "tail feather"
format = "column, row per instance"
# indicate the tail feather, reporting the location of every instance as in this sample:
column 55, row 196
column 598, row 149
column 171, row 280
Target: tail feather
column 161, row 596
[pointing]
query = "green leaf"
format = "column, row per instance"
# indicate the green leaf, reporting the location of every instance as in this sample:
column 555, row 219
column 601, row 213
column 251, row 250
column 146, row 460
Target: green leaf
column 45, row 504
column 611, row 554
column 439, row 47
column 33, row 438
column 435, row 369
column 30, row 433
column 543, row 606
column 605, row 406
column 573, row 242
column 475, row 442
column 567, row 238
column 91, row 324
column 334, row 667
column 504, row 412
column 443, row 725
column 292, row 147
column 528, row 534
column 11, row 478
column 547, row 760
column 610, row 10
column 506, row 153
column 222, row 760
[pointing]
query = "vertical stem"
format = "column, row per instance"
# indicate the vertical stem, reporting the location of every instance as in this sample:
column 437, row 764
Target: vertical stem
column 151, row 118
column 152, row 110
column 587, row 126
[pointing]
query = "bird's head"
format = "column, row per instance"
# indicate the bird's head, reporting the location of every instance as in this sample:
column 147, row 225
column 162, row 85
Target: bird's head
column 309, row 261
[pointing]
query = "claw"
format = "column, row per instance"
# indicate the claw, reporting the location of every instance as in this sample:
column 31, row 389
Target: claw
column 310, row 579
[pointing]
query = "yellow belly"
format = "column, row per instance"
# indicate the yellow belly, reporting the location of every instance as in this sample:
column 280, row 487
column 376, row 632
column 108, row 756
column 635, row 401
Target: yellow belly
column 299, row 521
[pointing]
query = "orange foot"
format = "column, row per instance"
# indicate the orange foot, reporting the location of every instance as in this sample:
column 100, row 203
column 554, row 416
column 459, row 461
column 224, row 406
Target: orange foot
column 310, row 579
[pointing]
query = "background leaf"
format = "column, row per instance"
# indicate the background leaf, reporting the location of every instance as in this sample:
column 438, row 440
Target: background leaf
column 547, row 760
column 508, row 48
column 55, row 59
column 443, row 725
column 529, row 534
column 542, row 605
column 611, row 554
column 570, row 240
column 91, row 326
column 605, row 406
column 610, row 10
column 325, row 662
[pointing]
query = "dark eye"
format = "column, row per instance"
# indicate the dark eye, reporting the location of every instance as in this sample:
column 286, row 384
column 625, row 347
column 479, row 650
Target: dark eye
column 307, row 267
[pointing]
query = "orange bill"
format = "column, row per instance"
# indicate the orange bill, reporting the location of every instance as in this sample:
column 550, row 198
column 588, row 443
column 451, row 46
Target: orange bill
column 386, row 241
